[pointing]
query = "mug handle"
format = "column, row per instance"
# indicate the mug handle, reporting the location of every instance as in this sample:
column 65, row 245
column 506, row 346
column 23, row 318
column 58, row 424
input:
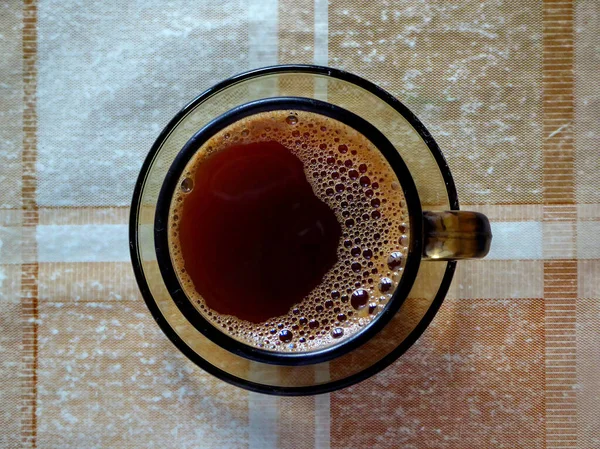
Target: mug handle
column 452, row 235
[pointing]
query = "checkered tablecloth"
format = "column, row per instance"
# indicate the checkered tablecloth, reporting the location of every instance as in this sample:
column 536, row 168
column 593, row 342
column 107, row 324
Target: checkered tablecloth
column 508, row 89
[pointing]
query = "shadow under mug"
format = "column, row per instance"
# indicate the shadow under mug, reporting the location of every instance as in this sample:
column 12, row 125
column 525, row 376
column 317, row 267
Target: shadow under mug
column 440, row 235
column 447, row 235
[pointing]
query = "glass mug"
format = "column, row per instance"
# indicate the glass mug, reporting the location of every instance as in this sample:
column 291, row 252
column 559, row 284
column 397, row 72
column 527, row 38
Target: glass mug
column 440, row 233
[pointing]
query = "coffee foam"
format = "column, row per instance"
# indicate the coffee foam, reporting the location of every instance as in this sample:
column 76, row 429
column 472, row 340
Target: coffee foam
column 349, row 174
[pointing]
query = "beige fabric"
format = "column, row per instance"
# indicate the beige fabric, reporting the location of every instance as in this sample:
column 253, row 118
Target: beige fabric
column 509, row 91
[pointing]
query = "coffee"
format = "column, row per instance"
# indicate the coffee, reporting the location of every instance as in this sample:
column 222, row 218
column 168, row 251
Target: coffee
column 288, row 231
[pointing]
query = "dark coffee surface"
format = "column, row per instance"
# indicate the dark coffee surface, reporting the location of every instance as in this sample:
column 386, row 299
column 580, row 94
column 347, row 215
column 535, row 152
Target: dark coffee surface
column 254, row 236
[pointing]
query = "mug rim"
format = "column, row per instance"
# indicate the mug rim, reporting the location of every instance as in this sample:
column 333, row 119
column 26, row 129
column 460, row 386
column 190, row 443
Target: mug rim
column 171, row 182
column 144, row 287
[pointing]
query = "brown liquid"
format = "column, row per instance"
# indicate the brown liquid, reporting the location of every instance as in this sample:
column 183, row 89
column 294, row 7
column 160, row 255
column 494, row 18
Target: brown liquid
column 289, row 231
column 255, row 238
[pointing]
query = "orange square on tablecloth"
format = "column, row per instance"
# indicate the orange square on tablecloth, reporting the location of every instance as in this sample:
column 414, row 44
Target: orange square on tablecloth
column 475, row 379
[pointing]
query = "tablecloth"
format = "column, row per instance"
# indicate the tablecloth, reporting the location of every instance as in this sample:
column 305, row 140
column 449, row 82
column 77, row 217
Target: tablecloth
column 508, row 89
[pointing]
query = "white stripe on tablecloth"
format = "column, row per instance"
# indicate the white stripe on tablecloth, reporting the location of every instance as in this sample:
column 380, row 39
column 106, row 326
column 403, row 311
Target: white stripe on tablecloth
column 83, row 243
column 263, row 411
column 516, row 241
column 263, row 23
column 321, row 55
column 322, row 410
column 588, row 239
column 321, row 50
column 109, row 242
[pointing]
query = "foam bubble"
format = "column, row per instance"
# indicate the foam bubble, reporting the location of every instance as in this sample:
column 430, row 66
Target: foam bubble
column 187, row 185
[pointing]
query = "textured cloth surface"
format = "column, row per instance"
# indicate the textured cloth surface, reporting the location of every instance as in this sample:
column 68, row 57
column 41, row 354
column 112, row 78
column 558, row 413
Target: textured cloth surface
column 508, row 89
